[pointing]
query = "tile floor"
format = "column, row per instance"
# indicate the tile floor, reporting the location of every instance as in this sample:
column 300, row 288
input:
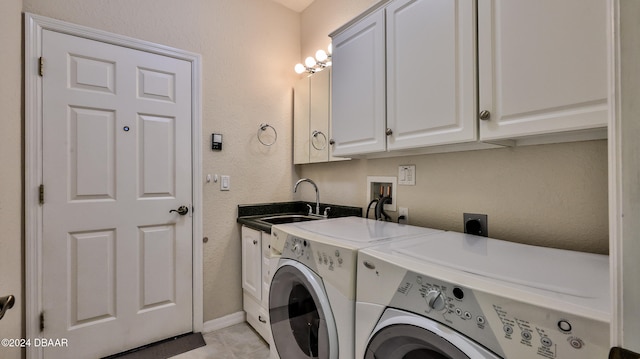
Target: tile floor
column 238, row 341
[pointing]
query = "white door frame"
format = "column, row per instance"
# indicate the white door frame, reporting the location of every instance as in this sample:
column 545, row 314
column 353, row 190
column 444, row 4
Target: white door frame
column 34, row 26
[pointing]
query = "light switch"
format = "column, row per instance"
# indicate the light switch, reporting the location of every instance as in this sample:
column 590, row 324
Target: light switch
column 407, row 175
column 225, row 183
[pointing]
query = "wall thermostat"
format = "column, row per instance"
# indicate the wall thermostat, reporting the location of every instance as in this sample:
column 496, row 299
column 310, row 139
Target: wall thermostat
column 216, row 142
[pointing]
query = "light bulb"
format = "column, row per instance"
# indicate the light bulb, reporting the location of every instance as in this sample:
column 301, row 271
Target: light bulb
column 310, row 61
column 300, row 68
column 330, row 48
column 321, row 56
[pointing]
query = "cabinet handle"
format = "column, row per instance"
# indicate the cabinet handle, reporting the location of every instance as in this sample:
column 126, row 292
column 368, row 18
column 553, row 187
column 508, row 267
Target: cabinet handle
column 315, row 134
column 389, row 132
column 332, row 142
column 255, row 241
column 261, row 319
column 485, row 115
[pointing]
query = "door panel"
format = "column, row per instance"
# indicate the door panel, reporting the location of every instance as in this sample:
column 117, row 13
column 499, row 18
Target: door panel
column 117, row 265
column 157, row 163
column 157, row 269
column 92, row 257
column 92, row 169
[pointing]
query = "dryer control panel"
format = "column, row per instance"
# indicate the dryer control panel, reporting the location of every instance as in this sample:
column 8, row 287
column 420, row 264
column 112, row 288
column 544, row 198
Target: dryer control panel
column 511, row 329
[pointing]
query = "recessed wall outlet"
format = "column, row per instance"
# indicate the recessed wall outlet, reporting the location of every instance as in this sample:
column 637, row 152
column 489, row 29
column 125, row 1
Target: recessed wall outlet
column 475, row 224
column 378, row 186
column 403, row 215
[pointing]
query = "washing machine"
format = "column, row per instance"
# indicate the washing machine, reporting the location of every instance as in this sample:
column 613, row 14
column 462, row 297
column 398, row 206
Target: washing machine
column 453, row 295
column 312, row 293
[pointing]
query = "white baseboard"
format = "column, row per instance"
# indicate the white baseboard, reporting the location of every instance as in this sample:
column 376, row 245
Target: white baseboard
column 223, row 322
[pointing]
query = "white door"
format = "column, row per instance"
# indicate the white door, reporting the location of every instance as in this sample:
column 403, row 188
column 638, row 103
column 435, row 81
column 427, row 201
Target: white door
column 252, row 262
column 542, row 66
column 358, row 104
column 431, row 73
column 319, row 116
column 117, row 264
column 301, row 104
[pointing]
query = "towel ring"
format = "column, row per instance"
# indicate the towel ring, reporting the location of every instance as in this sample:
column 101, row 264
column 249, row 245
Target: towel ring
column 263, row 127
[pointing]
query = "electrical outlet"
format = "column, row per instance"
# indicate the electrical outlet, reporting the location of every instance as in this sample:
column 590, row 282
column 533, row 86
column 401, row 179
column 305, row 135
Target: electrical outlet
column 475, row 224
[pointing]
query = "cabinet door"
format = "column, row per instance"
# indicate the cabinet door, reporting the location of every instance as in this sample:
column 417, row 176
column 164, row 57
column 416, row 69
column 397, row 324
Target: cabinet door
column 431, row 73
column 319, row 116
column 252, row 262
column 301, row 121
column 358, row 92
column 265, row 259
column 542, row 66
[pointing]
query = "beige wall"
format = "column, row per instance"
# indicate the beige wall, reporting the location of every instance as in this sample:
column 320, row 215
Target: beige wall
column 552, row 195
column 11, row 173
column 323, row 17
column 248, row 48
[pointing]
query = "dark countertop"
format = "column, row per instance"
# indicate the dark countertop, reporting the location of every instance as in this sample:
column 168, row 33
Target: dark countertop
column 250, row 214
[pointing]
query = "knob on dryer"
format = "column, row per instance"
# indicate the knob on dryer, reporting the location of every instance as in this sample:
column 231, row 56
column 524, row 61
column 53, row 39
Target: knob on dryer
column 435, row 300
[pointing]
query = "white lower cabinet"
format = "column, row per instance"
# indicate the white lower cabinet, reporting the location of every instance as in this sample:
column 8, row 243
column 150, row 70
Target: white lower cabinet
column 256, row 279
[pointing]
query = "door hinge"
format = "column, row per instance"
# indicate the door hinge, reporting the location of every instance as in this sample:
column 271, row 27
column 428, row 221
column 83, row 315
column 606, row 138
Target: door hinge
column 41, row 194
column 41, row 66
column 41, row 322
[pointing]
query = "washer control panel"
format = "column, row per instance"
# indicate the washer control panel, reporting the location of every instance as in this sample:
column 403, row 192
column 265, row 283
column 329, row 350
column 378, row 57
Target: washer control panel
column 336, row 265
column 511, row 329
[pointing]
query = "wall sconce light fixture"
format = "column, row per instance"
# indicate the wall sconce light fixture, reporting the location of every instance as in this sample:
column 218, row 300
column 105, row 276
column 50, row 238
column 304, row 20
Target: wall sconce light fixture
column 313, row 65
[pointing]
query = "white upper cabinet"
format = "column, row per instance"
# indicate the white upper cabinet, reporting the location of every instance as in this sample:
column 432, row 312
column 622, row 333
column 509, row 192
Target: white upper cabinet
column 431, row 77
column 409, row 76
column 311, row 119
column 542, row 66
column 358, row 91
column 319, row 116
column 301, row 92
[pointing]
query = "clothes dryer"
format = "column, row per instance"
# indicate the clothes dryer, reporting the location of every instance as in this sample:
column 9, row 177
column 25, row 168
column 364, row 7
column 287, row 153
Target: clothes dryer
column 312, row 294
column 453, row 295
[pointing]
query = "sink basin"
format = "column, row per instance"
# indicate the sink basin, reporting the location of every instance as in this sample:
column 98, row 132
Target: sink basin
column 288, row 218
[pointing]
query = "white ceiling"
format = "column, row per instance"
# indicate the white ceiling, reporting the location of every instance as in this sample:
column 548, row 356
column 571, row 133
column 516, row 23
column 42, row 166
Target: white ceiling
column 295, row 5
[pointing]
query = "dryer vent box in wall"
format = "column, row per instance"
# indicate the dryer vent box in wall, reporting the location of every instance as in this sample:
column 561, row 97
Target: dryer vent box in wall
column 476, row 224
column 378, row 186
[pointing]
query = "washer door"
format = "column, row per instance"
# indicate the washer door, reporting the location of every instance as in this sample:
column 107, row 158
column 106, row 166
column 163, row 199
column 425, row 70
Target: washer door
column 403, row 335
column 302, row 323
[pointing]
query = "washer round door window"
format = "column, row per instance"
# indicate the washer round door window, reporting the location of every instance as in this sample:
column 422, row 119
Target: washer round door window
column 403, row 335
column 302, row 323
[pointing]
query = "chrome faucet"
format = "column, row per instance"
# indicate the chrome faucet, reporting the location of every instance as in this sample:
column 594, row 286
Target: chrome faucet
column 295, row 188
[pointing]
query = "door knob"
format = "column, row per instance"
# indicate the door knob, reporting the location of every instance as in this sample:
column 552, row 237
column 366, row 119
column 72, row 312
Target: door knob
column 182, row 210
column 6, row 303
